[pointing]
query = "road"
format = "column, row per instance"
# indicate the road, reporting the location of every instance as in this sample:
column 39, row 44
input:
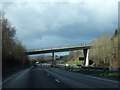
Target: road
column 55, row 78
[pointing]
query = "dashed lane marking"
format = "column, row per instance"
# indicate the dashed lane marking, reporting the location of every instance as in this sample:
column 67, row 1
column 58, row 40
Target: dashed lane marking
column 57, row 80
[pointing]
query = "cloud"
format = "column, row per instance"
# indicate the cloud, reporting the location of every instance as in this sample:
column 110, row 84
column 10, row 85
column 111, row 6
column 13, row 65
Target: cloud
column 44, row 24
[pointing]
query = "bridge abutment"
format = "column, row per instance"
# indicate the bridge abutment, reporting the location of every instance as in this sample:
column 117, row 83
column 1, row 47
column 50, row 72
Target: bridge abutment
column 53, row 59
column 86, row 59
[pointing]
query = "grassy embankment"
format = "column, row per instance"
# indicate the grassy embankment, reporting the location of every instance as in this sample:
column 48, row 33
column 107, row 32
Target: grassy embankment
column 105, row 74
column 75, row 62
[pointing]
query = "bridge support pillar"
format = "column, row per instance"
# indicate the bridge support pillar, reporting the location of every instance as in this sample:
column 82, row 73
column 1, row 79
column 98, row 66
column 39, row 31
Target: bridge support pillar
column 86, row 59
column 53, row 59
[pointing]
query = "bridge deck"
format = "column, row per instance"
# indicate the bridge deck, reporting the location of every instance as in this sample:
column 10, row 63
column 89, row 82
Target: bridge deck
column 58, row 50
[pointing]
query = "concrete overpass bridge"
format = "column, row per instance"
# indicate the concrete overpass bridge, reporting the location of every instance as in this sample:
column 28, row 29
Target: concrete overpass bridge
column 63, row 49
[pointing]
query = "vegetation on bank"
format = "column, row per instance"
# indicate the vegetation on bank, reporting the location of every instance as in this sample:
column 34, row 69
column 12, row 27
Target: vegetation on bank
column 76, row 62
column 103, row 74
column 13, row 53
column 104, row 53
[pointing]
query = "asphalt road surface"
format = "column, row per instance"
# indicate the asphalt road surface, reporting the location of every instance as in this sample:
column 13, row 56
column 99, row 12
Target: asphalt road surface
column 55, row 78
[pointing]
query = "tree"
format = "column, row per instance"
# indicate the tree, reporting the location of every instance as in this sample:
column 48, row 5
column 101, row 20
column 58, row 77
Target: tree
column 101, row 51
column 106, row 51
column 115, row 62
column 13, row 53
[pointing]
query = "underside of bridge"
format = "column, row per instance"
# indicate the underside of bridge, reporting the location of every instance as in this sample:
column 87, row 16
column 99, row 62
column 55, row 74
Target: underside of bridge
column 54, row 50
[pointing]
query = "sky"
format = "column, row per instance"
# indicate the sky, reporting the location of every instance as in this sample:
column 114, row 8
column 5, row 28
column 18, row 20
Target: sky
column 50, row 23
column 119, row 14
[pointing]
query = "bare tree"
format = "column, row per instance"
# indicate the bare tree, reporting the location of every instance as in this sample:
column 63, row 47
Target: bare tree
column 101, row 51
column 13, row 53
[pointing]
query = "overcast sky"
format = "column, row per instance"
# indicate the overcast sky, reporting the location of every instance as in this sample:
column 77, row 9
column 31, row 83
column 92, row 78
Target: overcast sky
column 54, row 24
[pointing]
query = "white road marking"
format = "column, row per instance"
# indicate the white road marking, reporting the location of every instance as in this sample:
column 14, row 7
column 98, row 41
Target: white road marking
column 57, row 80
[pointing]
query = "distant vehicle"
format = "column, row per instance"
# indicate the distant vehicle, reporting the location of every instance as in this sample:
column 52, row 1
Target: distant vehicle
column 37, row 62
column 44, row 64
column 67, row 65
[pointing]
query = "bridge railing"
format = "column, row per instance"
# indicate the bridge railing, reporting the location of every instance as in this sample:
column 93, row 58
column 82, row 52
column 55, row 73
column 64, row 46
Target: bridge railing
column 65, row 46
